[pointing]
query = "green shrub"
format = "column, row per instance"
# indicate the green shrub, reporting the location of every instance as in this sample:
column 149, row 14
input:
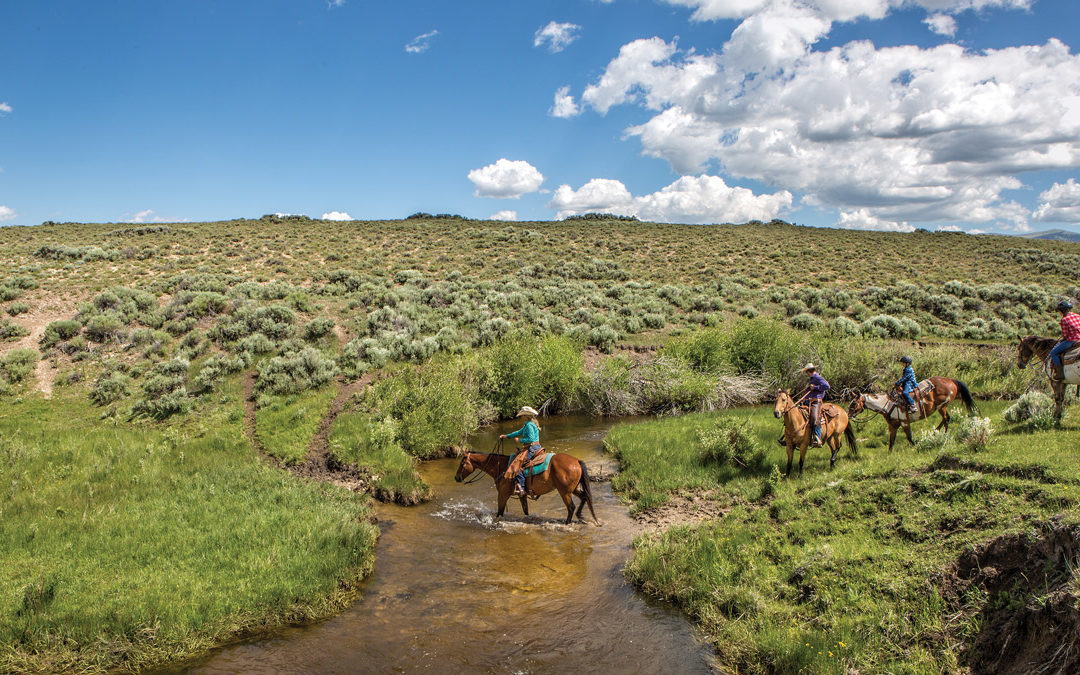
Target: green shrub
column 932, row 440
column 1030, row 405
column 806, row 321
column 17, row 308
column 104, row 328
column 17, row 364
column 730, row 441
column 975, row 433
column 295, row 372
column 110, row 388
column 318, row 328
column 9, row 330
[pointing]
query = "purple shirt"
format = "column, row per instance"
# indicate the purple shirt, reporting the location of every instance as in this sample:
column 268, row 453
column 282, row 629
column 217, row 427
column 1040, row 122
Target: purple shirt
column 818, row 387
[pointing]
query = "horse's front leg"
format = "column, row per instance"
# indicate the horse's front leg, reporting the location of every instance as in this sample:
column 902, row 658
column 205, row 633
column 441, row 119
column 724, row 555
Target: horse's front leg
column 892, row 433
column 504, row 496
column 802, row 456
column 525, row 504
column 790, row 455
column 907, row 432
column 1059, row 400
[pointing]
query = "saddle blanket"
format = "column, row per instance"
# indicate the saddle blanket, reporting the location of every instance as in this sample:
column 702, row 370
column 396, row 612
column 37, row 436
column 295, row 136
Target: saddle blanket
column 1071, row 356
column 540, row 465
column 925, row 387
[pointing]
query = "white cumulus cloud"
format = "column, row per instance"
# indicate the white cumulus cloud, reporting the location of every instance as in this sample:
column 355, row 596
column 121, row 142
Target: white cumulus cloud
column 5, row 107
column 1060, row 203
column 337, row 215
column 905, row 133
column 564, row 105
column 690, row 199
column 504, row 215
column 942, row 24
column 557, row 36
column 7, row 213
column 420, row 43
column 506, row 179
column 862, row 219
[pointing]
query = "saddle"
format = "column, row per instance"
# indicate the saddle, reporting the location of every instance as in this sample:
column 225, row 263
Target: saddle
column 539, row 464
column 896, row 395
column 828, row 410
column 1071, row 356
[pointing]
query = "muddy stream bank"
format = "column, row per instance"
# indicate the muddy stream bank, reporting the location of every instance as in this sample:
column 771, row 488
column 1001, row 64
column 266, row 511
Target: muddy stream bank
column 454, row 590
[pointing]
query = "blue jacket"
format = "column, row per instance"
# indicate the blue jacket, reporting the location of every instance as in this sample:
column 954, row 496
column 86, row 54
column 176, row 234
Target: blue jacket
column 907, row 380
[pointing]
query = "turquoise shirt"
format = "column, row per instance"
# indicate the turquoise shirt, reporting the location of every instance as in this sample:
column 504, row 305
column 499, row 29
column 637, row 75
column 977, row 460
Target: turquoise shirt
column 530, row 433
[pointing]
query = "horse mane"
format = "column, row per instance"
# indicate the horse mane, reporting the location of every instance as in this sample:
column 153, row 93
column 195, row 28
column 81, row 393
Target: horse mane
column 1039, row 345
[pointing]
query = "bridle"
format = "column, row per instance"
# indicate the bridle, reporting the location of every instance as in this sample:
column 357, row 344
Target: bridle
column 482, row 466
column 794, row 404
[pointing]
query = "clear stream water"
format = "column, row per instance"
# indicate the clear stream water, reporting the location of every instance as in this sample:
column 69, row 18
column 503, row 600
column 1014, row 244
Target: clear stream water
column 457, row 591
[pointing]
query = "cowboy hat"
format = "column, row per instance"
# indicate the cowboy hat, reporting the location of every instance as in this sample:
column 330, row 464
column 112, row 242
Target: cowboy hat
column 809, row 366
column 526, row 410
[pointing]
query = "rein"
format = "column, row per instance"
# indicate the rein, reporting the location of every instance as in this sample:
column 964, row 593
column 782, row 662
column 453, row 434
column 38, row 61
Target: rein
column 474, row 476
column 794, row 404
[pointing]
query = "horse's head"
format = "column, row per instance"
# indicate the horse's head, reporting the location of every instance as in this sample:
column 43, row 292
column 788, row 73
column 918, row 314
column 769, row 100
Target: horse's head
column 857, row 405
column 1024, row 352
column 783, row 403
column 466, row 467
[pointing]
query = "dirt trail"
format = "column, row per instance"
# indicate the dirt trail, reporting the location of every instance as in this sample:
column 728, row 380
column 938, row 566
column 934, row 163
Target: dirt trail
column 44, row 311
column 319, row 464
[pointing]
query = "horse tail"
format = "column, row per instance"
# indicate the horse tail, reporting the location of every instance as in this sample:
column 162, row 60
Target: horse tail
column 965, row 396
column 849, row 433
column 586, row 490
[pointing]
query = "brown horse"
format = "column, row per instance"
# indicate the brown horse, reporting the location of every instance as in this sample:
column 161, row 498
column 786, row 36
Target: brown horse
column 565, row 473
column 1039, row 347
column 896, row 416
column 797, row 431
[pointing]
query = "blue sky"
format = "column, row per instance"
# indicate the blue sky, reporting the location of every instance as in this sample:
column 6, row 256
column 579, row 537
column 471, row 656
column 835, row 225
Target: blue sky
column 881, row 114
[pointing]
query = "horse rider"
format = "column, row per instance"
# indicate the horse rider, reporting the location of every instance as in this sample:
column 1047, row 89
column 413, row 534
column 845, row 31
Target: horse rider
column 815, row 393
column 529, row 437
column 908, row 384
column 1070, row 336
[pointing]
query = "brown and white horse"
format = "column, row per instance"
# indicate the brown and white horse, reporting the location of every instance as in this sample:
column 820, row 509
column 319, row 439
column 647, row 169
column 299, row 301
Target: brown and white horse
column 565, row 473
column 896, row 416
column 1039, row 347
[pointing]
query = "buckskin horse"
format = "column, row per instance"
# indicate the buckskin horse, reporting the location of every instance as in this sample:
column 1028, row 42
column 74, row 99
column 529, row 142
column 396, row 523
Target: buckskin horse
column 944, row 391
column 1039, row 347
column 797, row 431
column 565, row 473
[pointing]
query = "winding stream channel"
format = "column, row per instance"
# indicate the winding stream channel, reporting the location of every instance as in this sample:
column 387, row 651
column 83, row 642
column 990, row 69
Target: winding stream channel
column 454, row 590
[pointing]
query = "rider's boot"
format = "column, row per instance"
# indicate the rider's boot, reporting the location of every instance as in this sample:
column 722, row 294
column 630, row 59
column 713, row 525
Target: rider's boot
column 817, row 437
column 1057, row 372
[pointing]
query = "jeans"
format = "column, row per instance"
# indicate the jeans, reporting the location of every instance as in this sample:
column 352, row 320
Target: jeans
column 1059, row 349
column 909, row 397
column 530, row 452
column 815, row 416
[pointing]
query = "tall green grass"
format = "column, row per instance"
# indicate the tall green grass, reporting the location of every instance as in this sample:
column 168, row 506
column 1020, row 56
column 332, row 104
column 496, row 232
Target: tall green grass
column 286, row 424
column 372, row 444
column 123, row 546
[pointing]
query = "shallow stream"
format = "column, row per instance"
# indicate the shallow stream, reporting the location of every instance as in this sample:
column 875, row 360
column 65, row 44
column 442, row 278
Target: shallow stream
column 455, row 590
